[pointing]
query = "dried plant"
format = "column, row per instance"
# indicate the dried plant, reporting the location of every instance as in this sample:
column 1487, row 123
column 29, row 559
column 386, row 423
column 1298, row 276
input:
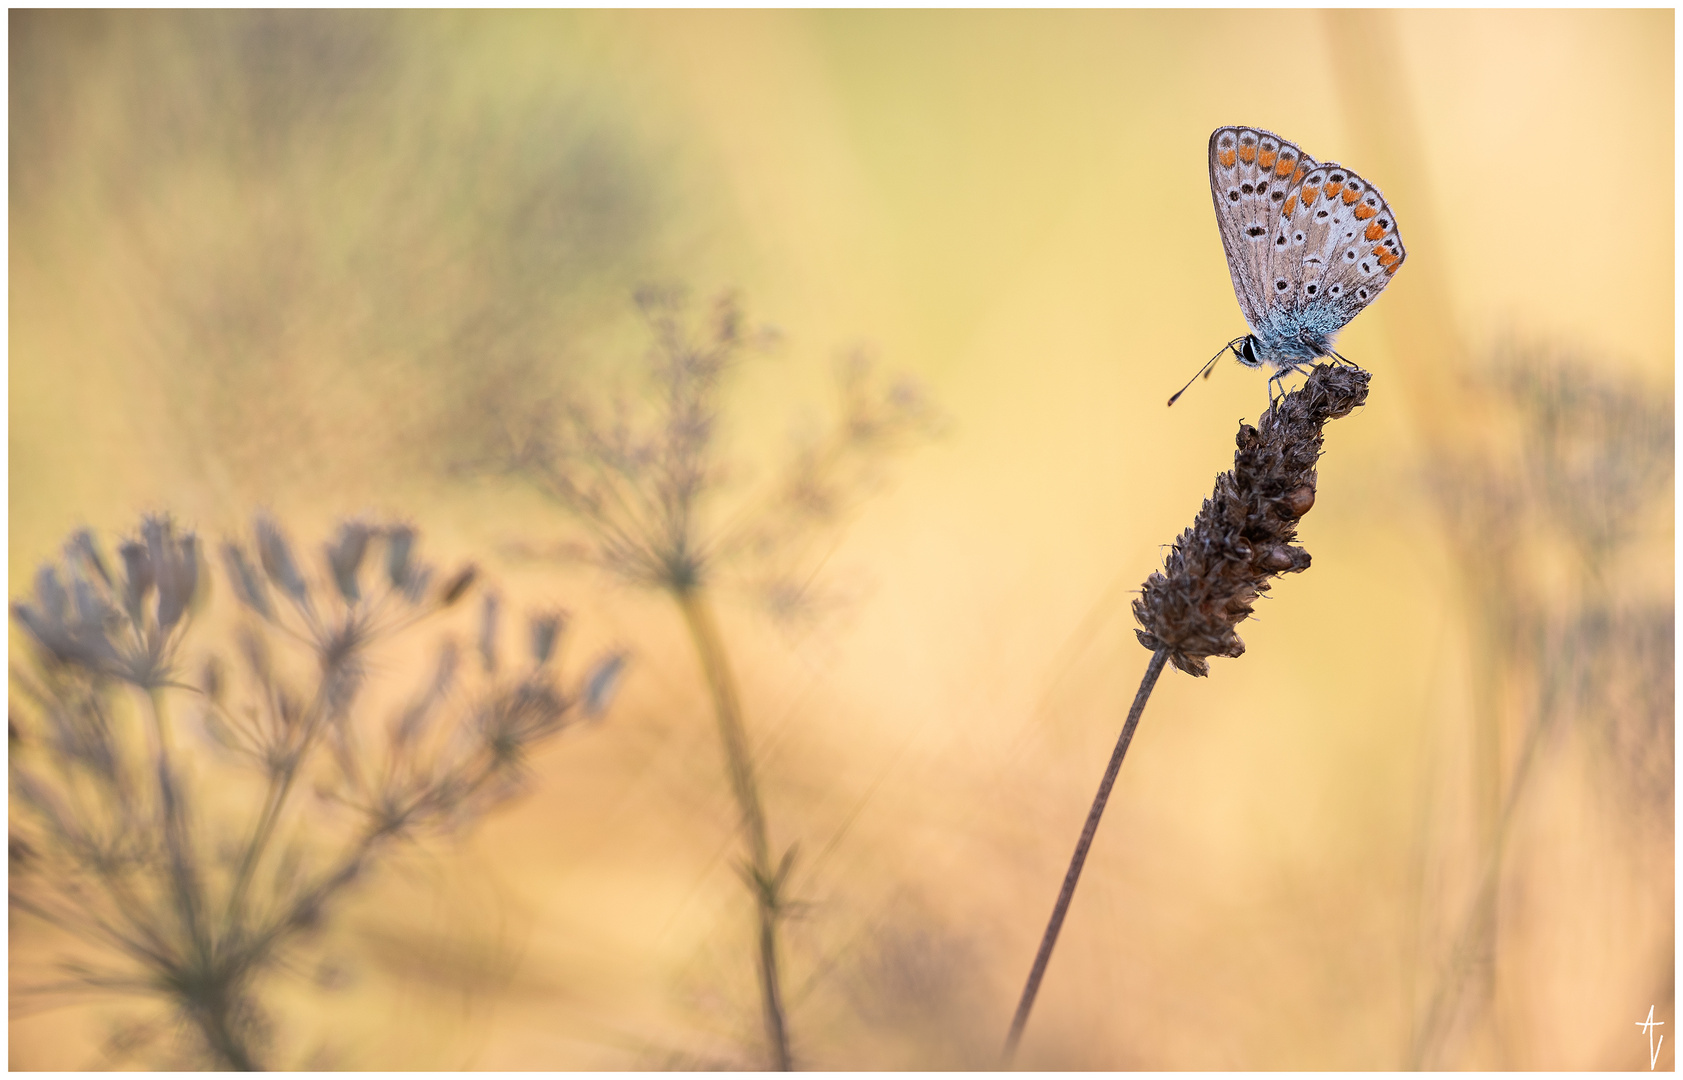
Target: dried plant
column 1541, row 517
column 648, row 480
column 140, row 829
column 1241, row 538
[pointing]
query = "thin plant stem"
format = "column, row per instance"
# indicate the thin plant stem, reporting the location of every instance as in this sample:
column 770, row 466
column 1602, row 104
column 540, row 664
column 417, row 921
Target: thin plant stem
column 280, row 786
column 1471, row 942
column 213, row 1022
column 183, row 880
column 1079, row 859
column 709, row 647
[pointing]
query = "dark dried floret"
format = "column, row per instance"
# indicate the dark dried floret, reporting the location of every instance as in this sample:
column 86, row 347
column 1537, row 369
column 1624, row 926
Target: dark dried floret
column 458, row 586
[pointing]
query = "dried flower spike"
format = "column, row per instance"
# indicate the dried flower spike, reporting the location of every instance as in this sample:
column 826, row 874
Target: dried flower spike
column 1243, row 535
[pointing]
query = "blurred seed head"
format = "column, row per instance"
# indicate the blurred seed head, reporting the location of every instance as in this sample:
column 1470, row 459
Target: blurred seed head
column 98, row 799
column 648, row 479
column 344, row 557
column 276, row 556
column 1542, row 513
column 85, row 620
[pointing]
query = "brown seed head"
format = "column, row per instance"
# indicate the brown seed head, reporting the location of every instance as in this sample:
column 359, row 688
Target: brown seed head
column 1243, row 535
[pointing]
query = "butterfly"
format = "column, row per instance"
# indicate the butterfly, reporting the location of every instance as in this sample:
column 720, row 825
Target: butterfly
column 1309, row 245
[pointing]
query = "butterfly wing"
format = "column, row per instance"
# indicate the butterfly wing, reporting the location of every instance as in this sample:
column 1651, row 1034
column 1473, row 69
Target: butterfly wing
column 1335, row 248
column 1251, row 174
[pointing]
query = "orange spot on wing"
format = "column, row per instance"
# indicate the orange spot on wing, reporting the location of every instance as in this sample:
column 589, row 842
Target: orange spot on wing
column 1291, row 206
column 1247, row 154
column 1351, row 195
column 1297, row 177
column 1363, row 212
column 1284, row 166
column 1394, row 267
column 1385, row 256
column 1267, row 159
column 1310, row 194
column 1227, row 158
column 1332, row 189
column 1374, row 232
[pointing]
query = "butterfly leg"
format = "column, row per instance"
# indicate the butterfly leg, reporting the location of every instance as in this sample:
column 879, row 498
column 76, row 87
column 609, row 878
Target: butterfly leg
column 1342, row 360
column 1279, row 379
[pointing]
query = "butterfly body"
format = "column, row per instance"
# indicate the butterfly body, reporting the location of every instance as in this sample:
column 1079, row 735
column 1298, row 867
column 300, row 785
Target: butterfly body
column 1309, row 245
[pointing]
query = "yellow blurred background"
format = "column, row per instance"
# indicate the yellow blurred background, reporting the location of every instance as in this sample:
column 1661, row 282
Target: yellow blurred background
column 301, row 260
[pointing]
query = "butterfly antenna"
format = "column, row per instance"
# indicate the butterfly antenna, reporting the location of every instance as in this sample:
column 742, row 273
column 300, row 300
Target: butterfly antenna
column 1205, row 371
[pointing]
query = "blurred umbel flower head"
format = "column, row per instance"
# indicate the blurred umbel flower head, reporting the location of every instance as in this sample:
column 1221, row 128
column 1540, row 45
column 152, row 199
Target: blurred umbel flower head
column 1552, row 505
column 1546, row 514
column 648, row 477
column 1597, row 448
column 124, row 625
column 183, row 861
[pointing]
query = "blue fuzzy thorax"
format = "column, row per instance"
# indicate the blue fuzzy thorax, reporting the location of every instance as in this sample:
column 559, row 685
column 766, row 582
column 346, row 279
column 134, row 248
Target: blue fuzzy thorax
column 1288, row 338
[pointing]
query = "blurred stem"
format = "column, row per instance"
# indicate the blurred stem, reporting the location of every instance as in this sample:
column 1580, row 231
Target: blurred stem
column 1471, row 947
column 280, row 786
column 715, row 665
column 1079, row 859
column 210, row 1012
column 228, row 1047
column 1490, row 816
column 184, row 884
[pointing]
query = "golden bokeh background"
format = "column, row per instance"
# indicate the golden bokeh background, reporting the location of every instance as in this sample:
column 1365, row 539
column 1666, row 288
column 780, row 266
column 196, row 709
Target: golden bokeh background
column 301, row 261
